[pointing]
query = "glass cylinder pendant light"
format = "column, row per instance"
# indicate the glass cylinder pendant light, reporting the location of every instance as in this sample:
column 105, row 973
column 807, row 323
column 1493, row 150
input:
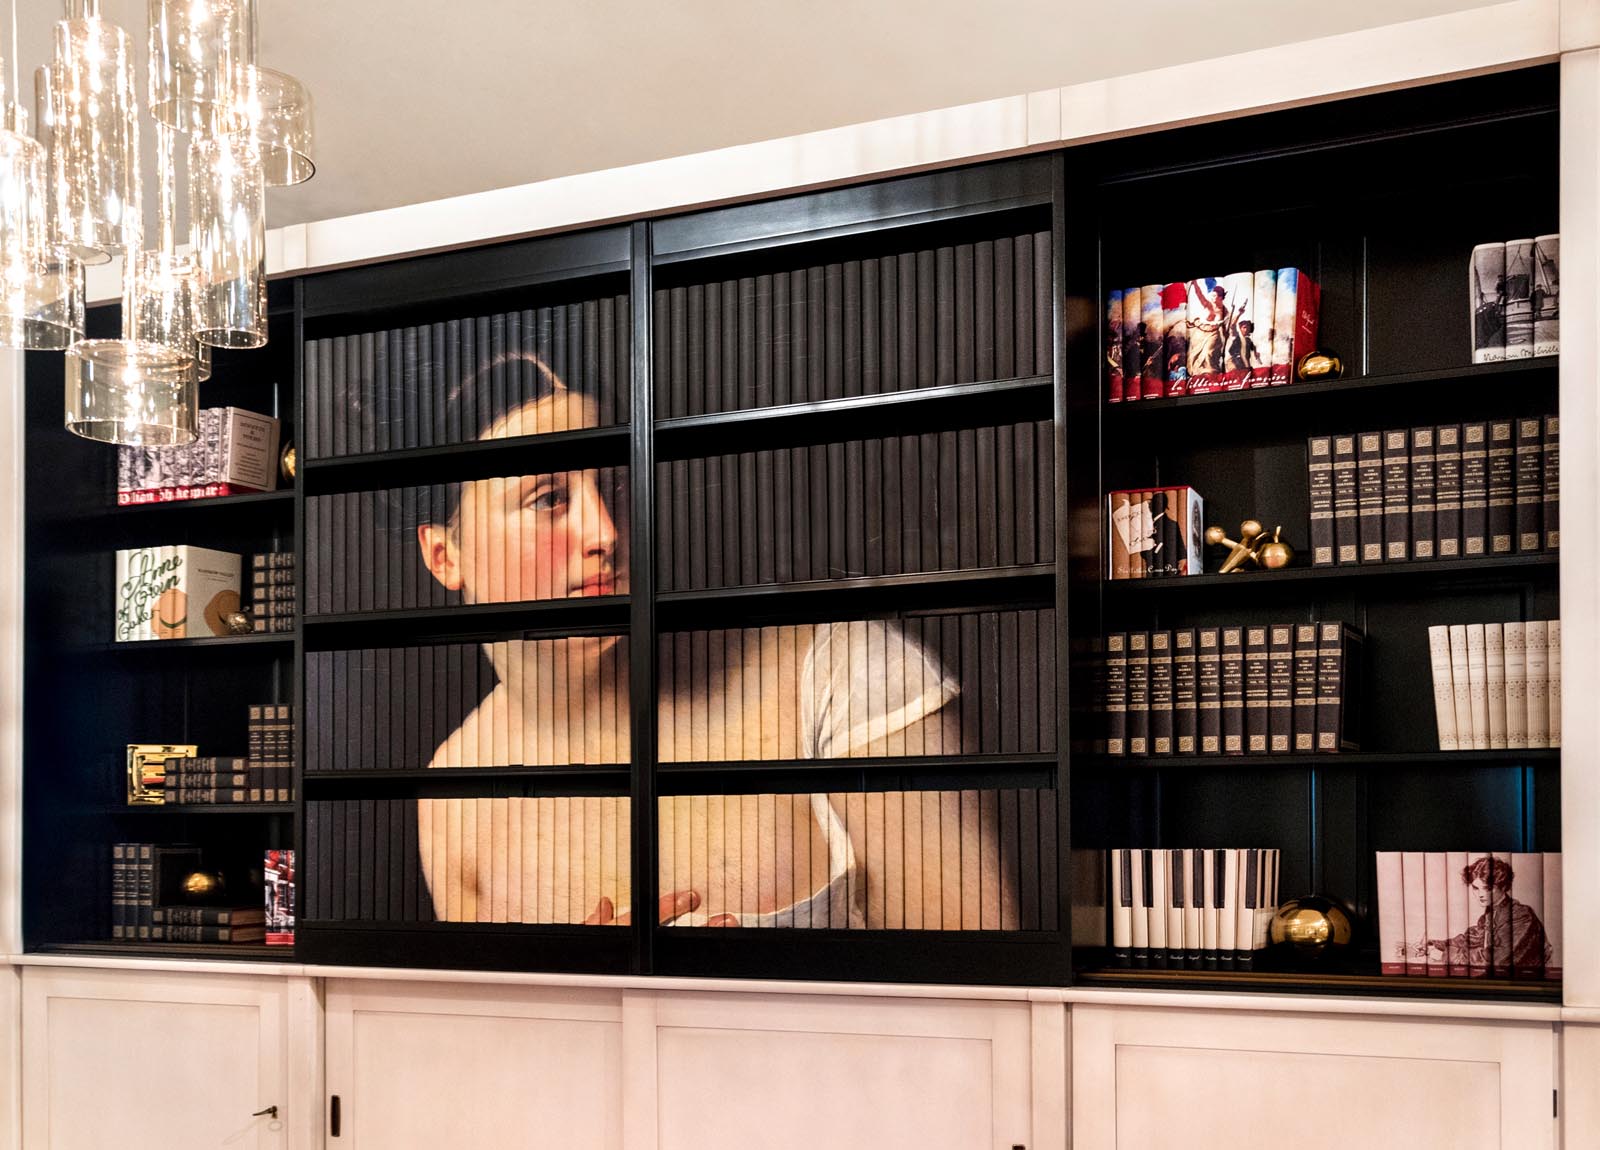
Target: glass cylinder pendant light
column 199, row 50
column 130, row 392
column 41, row 290
column 276, row 111
column 94, row 156
column 228, row 230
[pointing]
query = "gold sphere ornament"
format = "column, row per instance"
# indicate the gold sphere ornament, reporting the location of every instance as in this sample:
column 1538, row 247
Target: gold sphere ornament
column 238, row 623
column 201, row 885
column 1319, row 365
column 286, row 463
column 1311, row 928
column 1249, row 529
column 1275, row 554
column 1216, row 536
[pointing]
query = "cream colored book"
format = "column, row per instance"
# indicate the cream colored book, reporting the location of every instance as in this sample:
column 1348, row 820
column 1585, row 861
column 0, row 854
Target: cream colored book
column 971, row 863
column 1458, row 917
column 425, row 836
column 716, row 890
column 1227, row 891
column 470, row 876
column 527, row 812
column 1553, row 662
column 767, row 835
column 1177, row 871
column 1194, row 902
column 455, row 859
column 1516, row 656
column 444, row 847
column 624, row 858
column 1391, row 914
column 1538, row 649
column 593, row 866
column 500, row 858
column 771, row 701
column 1246, row 893
column 700, row 848
column 1414, row 880
column 911, row 857
column 1208, row 915
column 750, row 854
column 1460, row 683
column 513, row 885
column 932, row 853
column 561, row 859
column 732, row 834
column 577, row 904
column 547, row 859
column 950, row 877
column 1156, row 913
column 1478, row 684
column 989, row 853
column 1140, row 915
column 484, row 808
column 877, row 887
column 894, row 861
column 1553, row 915
column 1444, row 702
column 1436, row 915
column 1494, row 660
column 804, row 833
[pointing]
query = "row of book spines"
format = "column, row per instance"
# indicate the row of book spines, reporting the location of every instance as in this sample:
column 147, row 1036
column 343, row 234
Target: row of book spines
column 209, row 780
column 362, row 552
column 1148, row 334
column 1433, row 924
column 1278, row 689
column 1447, row 492
column 1497, row 686
column 956, row 314
column 1197, row 903
column 974, row 498
column 273, row 590
column 391, row 390
column 916, row 860
column 278, row 882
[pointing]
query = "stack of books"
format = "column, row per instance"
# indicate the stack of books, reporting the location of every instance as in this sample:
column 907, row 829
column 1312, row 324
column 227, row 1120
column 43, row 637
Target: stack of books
column 1217, row 333
column 234, row 452
column 1191, row 908
column 1470, row 914
column 270, row 735
column 1497, row 686
column 1155, row 532
column 272, row 591
column 148, row 900
column 1448, row 492
column 1516, row 299
column 1286, row 688
column 176, row 592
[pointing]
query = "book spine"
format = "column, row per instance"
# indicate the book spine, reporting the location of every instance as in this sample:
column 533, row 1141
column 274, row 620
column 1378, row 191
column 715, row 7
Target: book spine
column 1554, row 963
column 1175, row 304
column 1256, row 690
column 1502, row 492
column 1117, row 521
column 1152, row 339
column 1208, row 690
column 1116, row 702
column 1443, row 688
column 1474, row 489
column 1514, row 639
column 1280, row 689
column 1138, row 692
column 1346, row 501
column 1519, row 299
column 1305, row 688
column 1113, row 346
column 1415, row 902
column 1537, row 648
column 1184, row 694
column 1494, row 662
column 1369, row 495
column 1530, row 473
column 1396, row 496
column 1161, row 692
column 1422, row 493
column 1437, row 916
column 1478, row 686
column 1550, row 496
column 1121, row 892
column 1553, row 663
column 1447, row 491
column 1330, row 698
column 1461, row 685
column 1486, row 285
column 1319, row 469
column 1233, row 689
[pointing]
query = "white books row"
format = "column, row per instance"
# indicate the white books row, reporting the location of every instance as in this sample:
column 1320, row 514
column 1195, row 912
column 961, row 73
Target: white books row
column 1470, row 914
column 1189, row 905
column 1497, row 686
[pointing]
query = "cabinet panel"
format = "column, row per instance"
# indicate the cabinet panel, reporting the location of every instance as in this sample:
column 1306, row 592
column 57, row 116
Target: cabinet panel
column 430, row 1066
column 787, row 1073
column 1140, row 1075
column 152, row 1061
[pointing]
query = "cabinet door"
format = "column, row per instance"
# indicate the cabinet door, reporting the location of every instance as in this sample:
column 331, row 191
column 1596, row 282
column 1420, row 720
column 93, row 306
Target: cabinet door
column 792, row 1072
column 1232, row 1080
column 424, row 1066
column 151, row 1061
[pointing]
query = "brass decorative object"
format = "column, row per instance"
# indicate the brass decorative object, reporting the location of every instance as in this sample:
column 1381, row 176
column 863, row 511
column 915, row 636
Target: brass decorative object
column 1252, row 546
column 238, row 623
column 1319, row 365
column 1312, row 928
column 147, row 770
column 286, row 463
column 200, row 885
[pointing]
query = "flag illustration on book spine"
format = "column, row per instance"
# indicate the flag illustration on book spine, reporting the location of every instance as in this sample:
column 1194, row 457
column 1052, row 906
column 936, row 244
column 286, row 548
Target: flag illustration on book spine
column 1113, row 346
column 1152, row 340
column 1174, row 304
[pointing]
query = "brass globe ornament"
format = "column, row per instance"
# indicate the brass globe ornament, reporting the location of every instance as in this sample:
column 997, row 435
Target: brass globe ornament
column 1252, row 546
column 1312, row 928
column 201, row 886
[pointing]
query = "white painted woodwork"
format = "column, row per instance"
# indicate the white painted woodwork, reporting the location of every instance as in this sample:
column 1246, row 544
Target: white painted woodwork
column 1580, row 1085
column 153, row 1061
column 782, row 1073
column 1244, row 1081
column 426, row 1066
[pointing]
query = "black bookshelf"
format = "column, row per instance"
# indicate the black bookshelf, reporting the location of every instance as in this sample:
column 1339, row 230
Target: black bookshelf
column 1352, row 193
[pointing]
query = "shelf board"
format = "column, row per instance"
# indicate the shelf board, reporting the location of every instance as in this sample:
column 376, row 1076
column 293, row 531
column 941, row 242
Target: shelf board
column 243, row 951
column 856, row 417
column 1010, row 586
column 1154, row 408
column 591, row 615
column 480, row 459
column 283, row 639
column 1547, row 563
column 150, row 809
column 1311, row 981
column 1350, row 760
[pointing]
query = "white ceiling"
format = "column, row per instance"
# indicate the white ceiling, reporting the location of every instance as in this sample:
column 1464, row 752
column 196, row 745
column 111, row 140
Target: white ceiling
column 421, row 99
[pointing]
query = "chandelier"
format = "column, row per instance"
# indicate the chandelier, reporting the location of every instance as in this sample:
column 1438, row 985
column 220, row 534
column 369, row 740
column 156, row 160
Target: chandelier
column 71, row 195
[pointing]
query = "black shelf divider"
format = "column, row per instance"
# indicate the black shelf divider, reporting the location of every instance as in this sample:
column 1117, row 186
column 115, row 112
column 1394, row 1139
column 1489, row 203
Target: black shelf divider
column 267, row 640
column 856, row 417
column 151, row 810
column 1349, row 760
column 1312, row 981
column 1536, row 565
column 545, row 618
column 242, row 952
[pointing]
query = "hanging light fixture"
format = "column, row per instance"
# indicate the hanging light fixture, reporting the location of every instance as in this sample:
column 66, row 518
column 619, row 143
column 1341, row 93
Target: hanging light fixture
column 73, row 196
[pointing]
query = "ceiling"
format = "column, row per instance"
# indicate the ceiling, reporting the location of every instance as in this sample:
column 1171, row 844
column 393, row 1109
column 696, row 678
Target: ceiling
column 421, row 99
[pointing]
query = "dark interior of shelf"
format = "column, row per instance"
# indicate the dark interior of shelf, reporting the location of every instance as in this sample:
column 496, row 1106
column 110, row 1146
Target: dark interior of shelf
column 1368, row 196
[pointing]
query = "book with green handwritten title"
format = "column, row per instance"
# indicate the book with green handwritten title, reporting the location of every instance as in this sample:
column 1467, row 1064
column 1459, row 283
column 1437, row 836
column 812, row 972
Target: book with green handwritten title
column 174, row 592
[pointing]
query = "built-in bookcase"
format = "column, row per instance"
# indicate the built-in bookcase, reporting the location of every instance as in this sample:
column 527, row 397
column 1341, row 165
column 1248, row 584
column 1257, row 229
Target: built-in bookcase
column 845, row 455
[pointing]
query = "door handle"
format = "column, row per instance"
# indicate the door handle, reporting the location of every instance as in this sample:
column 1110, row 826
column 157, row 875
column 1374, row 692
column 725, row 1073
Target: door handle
column 270, row 1111
column 333, row 1117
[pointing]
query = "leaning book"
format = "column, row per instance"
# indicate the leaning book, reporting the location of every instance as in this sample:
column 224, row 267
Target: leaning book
column 278, row 875
column 175, row 592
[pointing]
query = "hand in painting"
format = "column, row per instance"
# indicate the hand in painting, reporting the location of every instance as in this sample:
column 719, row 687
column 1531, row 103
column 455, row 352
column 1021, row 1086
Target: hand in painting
column 673, row 905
